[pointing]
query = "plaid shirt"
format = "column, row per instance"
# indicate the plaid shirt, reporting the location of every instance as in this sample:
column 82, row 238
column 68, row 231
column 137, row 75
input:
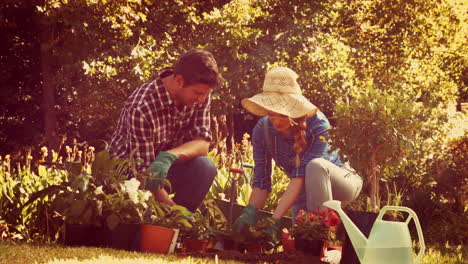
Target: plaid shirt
column 283, row 153
column 150, row 122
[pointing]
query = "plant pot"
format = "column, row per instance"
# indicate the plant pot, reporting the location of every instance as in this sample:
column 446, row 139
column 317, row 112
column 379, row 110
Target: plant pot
column 122, row 237
column 225, row 206
column 84, row 235
column 288, row 245
column 225, row 242
column 254, row 248
column 364, row 221
column 309, row 246
column 195, row 245
column 158, row 239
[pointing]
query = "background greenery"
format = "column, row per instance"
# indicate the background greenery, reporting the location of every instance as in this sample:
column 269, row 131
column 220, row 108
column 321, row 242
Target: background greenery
column 384, row 72
column 68, row 66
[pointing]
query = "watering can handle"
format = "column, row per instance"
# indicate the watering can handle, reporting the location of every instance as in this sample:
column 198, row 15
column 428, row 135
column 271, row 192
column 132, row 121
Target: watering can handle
column 413, row 215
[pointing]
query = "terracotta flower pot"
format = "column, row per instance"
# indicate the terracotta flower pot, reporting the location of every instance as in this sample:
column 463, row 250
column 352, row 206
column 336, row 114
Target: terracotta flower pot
column 158, row 239
column 288, row 245
column 194, row 245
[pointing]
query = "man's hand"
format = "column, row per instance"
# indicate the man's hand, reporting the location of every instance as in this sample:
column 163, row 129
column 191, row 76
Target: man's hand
column 247, row 218
column 158, row 170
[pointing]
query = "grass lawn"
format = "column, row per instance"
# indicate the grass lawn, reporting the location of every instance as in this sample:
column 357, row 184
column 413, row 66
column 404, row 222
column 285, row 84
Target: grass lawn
column 54, row 254
column 22, row 253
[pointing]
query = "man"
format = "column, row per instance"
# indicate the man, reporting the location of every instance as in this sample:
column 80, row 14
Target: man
column 167, row 123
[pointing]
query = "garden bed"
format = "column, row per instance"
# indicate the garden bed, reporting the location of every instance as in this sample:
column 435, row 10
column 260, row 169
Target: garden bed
column 281, row 257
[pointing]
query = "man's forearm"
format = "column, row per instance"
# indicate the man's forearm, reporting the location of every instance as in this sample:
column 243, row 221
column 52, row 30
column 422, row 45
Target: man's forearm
column 192, row 149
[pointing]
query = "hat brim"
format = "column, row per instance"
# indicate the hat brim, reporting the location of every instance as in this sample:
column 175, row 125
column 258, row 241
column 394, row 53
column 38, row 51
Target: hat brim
column 292, row 105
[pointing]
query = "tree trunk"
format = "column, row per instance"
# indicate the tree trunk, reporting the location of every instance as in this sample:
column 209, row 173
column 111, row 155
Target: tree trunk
column 374, row 184
column 48, row 87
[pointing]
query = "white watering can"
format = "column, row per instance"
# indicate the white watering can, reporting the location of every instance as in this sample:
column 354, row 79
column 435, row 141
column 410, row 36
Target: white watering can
column 389, row 242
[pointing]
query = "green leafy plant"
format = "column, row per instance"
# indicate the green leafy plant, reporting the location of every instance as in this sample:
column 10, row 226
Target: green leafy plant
column 174, row 216
column 376, row 130
column 127, row 204
column 199, row 227
column 258, row 235
column 102, row 197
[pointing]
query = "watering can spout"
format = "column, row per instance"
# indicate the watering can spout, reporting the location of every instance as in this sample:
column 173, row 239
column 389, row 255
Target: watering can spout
column 357, row 238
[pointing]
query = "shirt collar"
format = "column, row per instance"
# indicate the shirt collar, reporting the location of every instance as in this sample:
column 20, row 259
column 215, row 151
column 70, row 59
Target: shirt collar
column 162, row 93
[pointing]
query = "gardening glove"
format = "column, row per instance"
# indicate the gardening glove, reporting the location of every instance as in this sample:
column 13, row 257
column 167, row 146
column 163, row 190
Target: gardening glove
column 272, row 227
column 158, row 170
column 186, row 213
column 247, row 218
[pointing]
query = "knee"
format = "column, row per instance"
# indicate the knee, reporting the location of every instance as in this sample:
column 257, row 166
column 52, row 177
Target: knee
column 205, row 167
column 316, row 168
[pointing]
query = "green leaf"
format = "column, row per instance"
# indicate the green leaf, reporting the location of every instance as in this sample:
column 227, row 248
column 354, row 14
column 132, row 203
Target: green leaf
column 42, row 171
column 77, row 208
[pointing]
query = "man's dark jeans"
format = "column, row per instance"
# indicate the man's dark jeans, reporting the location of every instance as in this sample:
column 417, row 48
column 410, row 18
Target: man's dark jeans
column 191, row 181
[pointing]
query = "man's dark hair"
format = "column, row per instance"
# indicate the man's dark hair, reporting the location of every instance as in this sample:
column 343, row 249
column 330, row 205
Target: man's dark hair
column 198, row 66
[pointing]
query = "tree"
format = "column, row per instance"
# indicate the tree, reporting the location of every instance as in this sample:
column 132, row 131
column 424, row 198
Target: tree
column 376, row 130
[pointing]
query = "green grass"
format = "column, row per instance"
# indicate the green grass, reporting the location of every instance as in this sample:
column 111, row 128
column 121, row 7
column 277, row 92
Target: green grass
column 446, row 255
column 54, row 254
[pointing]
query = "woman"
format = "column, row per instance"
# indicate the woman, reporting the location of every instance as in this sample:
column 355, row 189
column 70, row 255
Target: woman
column 293, row 133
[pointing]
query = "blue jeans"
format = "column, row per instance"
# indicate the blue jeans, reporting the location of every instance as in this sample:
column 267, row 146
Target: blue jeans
column 191, row 181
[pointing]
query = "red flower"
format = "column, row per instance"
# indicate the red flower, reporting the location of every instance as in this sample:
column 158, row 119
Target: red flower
column 332, row 219
column 301, row 216
column 312, row 217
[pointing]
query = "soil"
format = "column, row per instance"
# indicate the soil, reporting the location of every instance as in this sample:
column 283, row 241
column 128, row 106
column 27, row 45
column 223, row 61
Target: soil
column 275, row 258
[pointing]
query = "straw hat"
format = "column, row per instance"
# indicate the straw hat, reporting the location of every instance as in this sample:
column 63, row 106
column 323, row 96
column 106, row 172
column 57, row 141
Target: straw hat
column 281, row 94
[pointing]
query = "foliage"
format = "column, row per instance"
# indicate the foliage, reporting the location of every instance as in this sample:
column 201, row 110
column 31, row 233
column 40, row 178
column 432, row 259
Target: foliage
column 99, row 51
column 174, row 216
column 258, row 234
column 315, row 225
column 439, row 199
column 199, row 227
column 441, row 221
column 244, row 157
column 84, row 200
column 17, row 188
column 378, row 130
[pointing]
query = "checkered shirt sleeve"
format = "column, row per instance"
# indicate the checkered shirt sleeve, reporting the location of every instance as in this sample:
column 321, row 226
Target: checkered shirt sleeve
column 200, row 127
column 140, row 138
column 262, row 158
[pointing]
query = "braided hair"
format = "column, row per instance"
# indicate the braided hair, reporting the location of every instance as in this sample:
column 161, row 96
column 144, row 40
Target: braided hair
column 299, row 126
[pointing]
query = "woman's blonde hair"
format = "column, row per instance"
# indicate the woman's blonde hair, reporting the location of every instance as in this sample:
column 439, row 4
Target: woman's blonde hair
column 299, row 126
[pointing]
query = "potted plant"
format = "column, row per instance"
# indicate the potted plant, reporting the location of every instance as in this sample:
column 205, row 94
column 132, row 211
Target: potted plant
column 287, row 241
column 161, row 227
column 195, row 238
column 312, row 229
column 257, row 240
column 98, row 216
column 80, row 209
column 123, row 208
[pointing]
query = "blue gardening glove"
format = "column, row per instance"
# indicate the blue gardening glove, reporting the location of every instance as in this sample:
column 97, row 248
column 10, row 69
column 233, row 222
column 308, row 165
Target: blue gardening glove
column 272, row 227
column 247, row 218
column 158, row 170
